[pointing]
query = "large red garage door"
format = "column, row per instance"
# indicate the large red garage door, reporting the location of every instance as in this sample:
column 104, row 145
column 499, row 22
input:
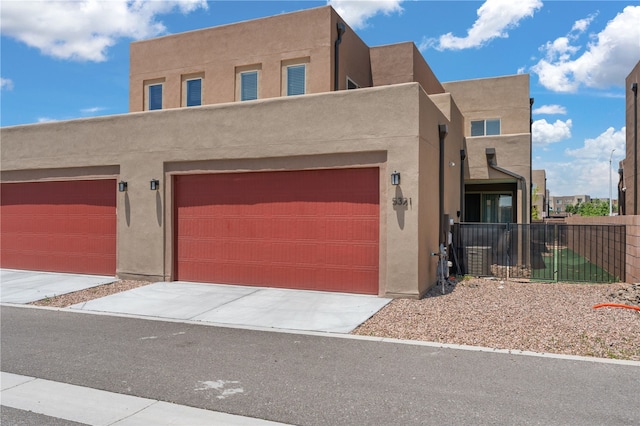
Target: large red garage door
column 312, row 230
column 65, row 226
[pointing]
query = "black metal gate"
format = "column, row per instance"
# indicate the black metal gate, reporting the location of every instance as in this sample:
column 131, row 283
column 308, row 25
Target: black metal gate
column 541, row 251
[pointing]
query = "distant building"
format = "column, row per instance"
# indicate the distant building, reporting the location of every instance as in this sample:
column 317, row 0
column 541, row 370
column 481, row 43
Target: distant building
column 539, row 194
column 558, row 204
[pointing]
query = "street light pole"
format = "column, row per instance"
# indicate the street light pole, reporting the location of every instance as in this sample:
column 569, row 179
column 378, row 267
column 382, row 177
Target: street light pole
column 610, row 189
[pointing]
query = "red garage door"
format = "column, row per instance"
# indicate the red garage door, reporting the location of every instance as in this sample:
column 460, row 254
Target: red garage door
column 312, row 230
column 65, row 226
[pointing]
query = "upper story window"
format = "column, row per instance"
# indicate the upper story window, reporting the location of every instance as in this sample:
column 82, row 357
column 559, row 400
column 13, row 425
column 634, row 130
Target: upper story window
column 296, row 80
column 249, row 85
column 294, row 77
column 485, row 127
column 352, row 84
column 192, row 88
column 153, row 94
column 248, row 82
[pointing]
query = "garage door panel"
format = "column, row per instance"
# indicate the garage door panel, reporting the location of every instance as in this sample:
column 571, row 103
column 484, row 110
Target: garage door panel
column 62, row 226
column 280, row 229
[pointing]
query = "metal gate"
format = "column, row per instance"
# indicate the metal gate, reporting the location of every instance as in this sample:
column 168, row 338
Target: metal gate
column 541, row 251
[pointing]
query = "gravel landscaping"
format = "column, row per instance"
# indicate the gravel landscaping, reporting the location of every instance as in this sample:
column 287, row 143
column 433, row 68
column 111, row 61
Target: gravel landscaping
column 541, row 317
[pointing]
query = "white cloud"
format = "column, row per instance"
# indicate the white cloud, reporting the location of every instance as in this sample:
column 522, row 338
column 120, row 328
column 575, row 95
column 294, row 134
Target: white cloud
column 601, row 146
column 356, row 12
column 6, row 84
column 495, row 17
column 588, row 171
column 92, row 110
column 46, row 120
column 605, row 62
column 544, row 133
column 83, row 30
column 550, row 110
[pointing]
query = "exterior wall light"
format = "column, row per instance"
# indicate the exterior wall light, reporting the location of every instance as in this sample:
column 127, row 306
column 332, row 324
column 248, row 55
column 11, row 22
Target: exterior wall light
column 154, row 185
column 122, row 186
column 395, row 178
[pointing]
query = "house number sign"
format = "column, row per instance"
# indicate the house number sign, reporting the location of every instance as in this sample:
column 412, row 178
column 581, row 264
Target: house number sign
column 401, row 201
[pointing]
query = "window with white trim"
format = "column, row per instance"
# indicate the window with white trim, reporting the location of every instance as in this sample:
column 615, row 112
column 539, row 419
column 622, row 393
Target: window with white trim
column 153, row 94
column 248, row 82
column 294, row 77
column 489, row 127
column 296, row 80
column 352, row 84
column 193, row 92
column 249, row 85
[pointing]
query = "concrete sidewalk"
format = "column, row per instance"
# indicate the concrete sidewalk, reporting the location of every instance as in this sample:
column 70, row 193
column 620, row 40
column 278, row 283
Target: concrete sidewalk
column 97, row 407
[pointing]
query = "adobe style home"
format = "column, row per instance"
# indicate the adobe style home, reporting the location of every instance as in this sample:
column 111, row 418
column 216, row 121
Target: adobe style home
column 628, row 171
column 279, row 152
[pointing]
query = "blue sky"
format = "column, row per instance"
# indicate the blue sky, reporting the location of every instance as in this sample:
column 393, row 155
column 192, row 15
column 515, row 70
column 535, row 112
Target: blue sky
column 67, row 60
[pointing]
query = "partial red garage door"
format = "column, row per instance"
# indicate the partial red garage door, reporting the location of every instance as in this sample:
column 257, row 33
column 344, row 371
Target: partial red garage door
column 312, row 230
column 65, row 226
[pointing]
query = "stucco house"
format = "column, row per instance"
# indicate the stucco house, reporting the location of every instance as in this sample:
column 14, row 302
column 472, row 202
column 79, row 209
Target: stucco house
column 299, row 158
column 628, row 171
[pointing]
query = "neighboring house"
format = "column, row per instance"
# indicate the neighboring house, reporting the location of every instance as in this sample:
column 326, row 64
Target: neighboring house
column 540, row 193
column 558, row 204
column 497, row 129
column 246, row 160
column 628, row 171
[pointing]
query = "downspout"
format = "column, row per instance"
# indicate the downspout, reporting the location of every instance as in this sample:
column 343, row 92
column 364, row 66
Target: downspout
column 531, row 100
column 442, row 130
column 336, row 71
column 491, row 160
column 463, row 156
column 634, row 88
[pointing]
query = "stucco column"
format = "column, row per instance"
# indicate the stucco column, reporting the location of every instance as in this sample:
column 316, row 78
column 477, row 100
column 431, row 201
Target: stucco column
column 141, row 219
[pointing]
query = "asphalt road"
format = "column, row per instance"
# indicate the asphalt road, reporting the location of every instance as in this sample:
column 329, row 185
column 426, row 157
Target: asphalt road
column 313, row 380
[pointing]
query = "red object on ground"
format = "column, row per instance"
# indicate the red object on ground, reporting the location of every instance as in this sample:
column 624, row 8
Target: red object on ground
column 61, row 226
column 616, row 305
column 310, row 229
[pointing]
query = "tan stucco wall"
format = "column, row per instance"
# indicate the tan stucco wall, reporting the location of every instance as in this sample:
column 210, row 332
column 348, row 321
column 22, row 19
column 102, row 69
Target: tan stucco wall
column 402, row 63
column 374, row 127
column 630, row 179
column 505, row 97
column 217, row 51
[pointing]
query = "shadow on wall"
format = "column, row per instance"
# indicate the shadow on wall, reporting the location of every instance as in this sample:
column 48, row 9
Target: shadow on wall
column 158, row 208
column 127, row 208
column 400, row 205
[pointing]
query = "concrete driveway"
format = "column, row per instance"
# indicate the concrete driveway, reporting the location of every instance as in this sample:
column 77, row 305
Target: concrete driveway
column 212, row 303
column 17, row 286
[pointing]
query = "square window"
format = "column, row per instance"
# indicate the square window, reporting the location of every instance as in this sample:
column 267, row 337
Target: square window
column 155, row 96
column 477, row 128
column 296, row 80
column 248, row 85
column 194, row 92
column 492, row 127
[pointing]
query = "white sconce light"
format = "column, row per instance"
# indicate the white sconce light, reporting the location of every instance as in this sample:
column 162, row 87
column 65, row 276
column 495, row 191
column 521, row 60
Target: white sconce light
column 122, row 186
column 154, row 185
column 395, row 178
